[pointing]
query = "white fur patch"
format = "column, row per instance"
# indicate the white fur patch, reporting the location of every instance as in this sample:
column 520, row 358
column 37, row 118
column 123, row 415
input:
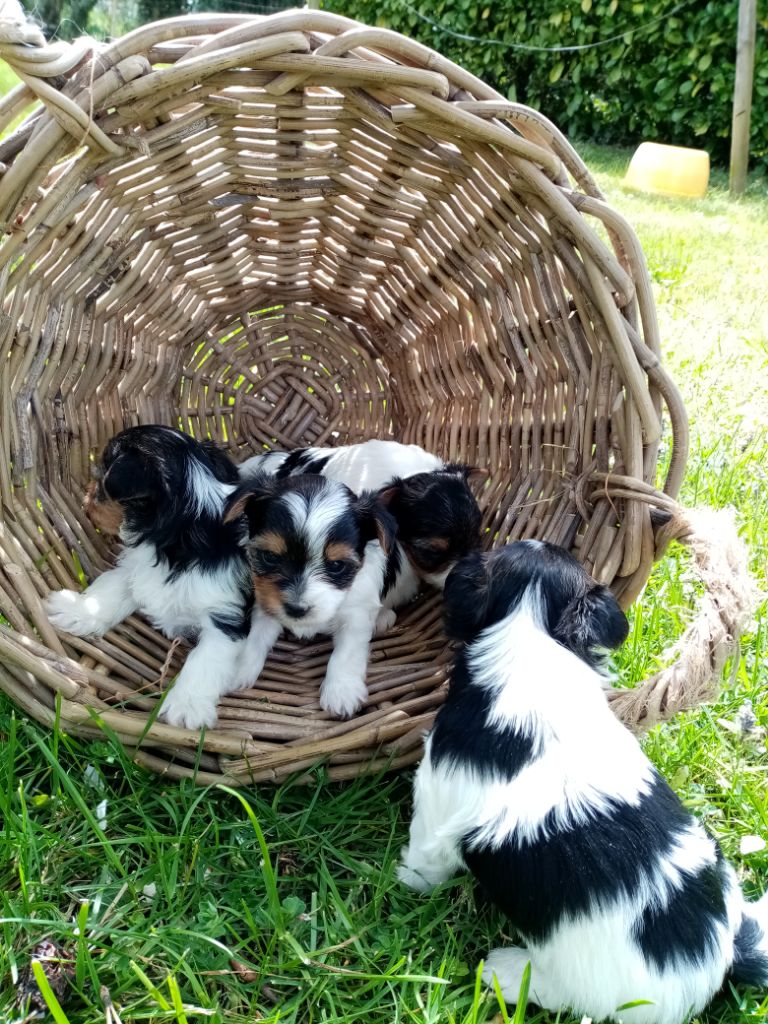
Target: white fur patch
column 437, row 579
column 205, row 492
column 372, row 464
column 177, row 607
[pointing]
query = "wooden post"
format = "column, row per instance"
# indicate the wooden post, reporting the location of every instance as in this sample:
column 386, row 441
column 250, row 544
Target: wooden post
column 742, row 95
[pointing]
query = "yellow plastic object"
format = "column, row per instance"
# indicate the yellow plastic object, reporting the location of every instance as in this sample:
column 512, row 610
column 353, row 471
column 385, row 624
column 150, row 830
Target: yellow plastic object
column 669, row 170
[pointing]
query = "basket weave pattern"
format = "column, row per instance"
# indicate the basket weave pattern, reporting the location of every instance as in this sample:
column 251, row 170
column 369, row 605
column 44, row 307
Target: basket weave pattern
column 298, row 230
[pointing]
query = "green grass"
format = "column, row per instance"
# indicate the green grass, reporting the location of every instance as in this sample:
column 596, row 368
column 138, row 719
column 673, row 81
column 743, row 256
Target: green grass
column 162, row 904
column 8, row 80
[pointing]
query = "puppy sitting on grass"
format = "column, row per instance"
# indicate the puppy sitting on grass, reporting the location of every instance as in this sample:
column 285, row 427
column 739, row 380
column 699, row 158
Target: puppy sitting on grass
column 530, row 782
column 321, row 561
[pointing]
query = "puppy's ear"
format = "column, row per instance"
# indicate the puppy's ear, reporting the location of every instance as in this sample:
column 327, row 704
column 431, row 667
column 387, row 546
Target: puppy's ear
column 465, row 598
column 250, row 500
column 131, row 477
column 465, row 471
column 390, row 495
column 375, row 521
column 591, row 623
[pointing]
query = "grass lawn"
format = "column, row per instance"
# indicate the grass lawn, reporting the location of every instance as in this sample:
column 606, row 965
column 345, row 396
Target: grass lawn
column 162, row 891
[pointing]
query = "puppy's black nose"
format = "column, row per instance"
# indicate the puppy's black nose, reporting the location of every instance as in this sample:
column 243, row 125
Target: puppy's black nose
column 296, row 611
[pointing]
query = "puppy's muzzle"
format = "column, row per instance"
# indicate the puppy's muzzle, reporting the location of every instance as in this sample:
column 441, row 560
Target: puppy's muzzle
column 295, row 611
column 105, row 514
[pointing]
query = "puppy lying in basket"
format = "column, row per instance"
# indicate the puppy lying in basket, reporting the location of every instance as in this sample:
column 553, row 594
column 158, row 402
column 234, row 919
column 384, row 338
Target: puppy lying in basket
column 530, row 781
column 315, row 567
column 181, row 565
column 321, row 559
column 438, row 519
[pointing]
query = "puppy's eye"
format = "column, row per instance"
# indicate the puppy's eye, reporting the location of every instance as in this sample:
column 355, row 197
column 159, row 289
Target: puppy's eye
column 268, row 561
column 336, row 567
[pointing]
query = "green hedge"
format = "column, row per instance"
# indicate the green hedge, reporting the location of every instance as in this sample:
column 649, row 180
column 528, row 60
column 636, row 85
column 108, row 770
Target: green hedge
column 667, row 78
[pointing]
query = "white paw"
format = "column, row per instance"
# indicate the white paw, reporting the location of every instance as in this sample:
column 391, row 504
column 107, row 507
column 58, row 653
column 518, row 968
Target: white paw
column 341, row 696
column 385, row 620
column 74, row 613
column 413, row 880
column 182, row 709
column 508, row 965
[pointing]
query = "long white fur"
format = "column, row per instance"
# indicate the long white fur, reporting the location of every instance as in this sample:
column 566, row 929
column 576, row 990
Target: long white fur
column 589, row 964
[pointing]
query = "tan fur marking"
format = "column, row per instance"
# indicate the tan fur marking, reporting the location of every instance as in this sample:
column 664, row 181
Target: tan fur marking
column 437, row 543
column 381, row 533
column 339, row 552
column 106, row 516
column 270, row 541
column 237, row 508
column 267, row 593
column 388, row 494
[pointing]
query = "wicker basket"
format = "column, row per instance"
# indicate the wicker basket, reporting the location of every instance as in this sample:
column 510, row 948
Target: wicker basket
column 298, row 230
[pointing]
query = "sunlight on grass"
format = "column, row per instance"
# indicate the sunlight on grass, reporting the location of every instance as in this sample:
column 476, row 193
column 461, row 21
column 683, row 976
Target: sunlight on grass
column 8, row 79
column 707, row 259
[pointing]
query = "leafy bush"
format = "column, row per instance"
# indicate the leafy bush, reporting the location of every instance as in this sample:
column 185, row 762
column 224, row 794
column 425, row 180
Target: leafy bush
column 665, row 73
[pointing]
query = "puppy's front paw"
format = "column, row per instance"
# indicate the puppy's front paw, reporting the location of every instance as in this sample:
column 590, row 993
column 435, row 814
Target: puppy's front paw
column 73, row 613
column 341, row 696
column 385, row 620
column 182, row 709
column 509, row 966
column 413, row 880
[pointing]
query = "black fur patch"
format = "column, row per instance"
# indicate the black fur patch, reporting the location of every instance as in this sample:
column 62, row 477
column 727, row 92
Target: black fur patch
column 686, row 928
column 302, row 460
column 237, row 627
column 461, row 735
column 393, row 567
column 569, row 871
column 750, row 960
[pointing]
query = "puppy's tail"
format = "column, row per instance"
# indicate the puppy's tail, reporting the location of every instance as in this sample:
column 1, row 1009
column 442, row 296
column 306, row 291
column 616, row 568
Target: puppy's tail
column 750, row 945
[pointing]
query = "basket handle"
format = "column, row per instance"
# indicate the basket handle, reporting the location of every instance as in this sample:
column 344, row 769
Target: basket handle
column 37, row 62
column 693, row 664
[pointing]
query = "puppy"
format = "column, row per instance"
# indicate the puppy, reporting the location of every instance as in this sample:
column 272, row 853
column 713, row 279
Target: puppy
column 530, row 782
column 438, row 520
column 320, row 558
column 181, row 565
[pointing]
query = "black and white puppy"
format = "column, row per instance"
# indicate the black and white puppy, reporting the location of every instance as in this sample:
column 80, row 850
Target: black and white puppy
column 531, row 782
column 181, row 565
column 438, row 520
column 320, row 558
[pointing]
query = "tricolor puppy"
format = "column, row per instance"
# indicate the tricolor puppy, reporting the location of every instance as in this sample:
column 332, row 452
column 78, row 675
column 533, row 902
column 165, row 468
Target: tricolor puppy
column 530, row 782
column 321, row 559
column 438, row 520
column 181, row 565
